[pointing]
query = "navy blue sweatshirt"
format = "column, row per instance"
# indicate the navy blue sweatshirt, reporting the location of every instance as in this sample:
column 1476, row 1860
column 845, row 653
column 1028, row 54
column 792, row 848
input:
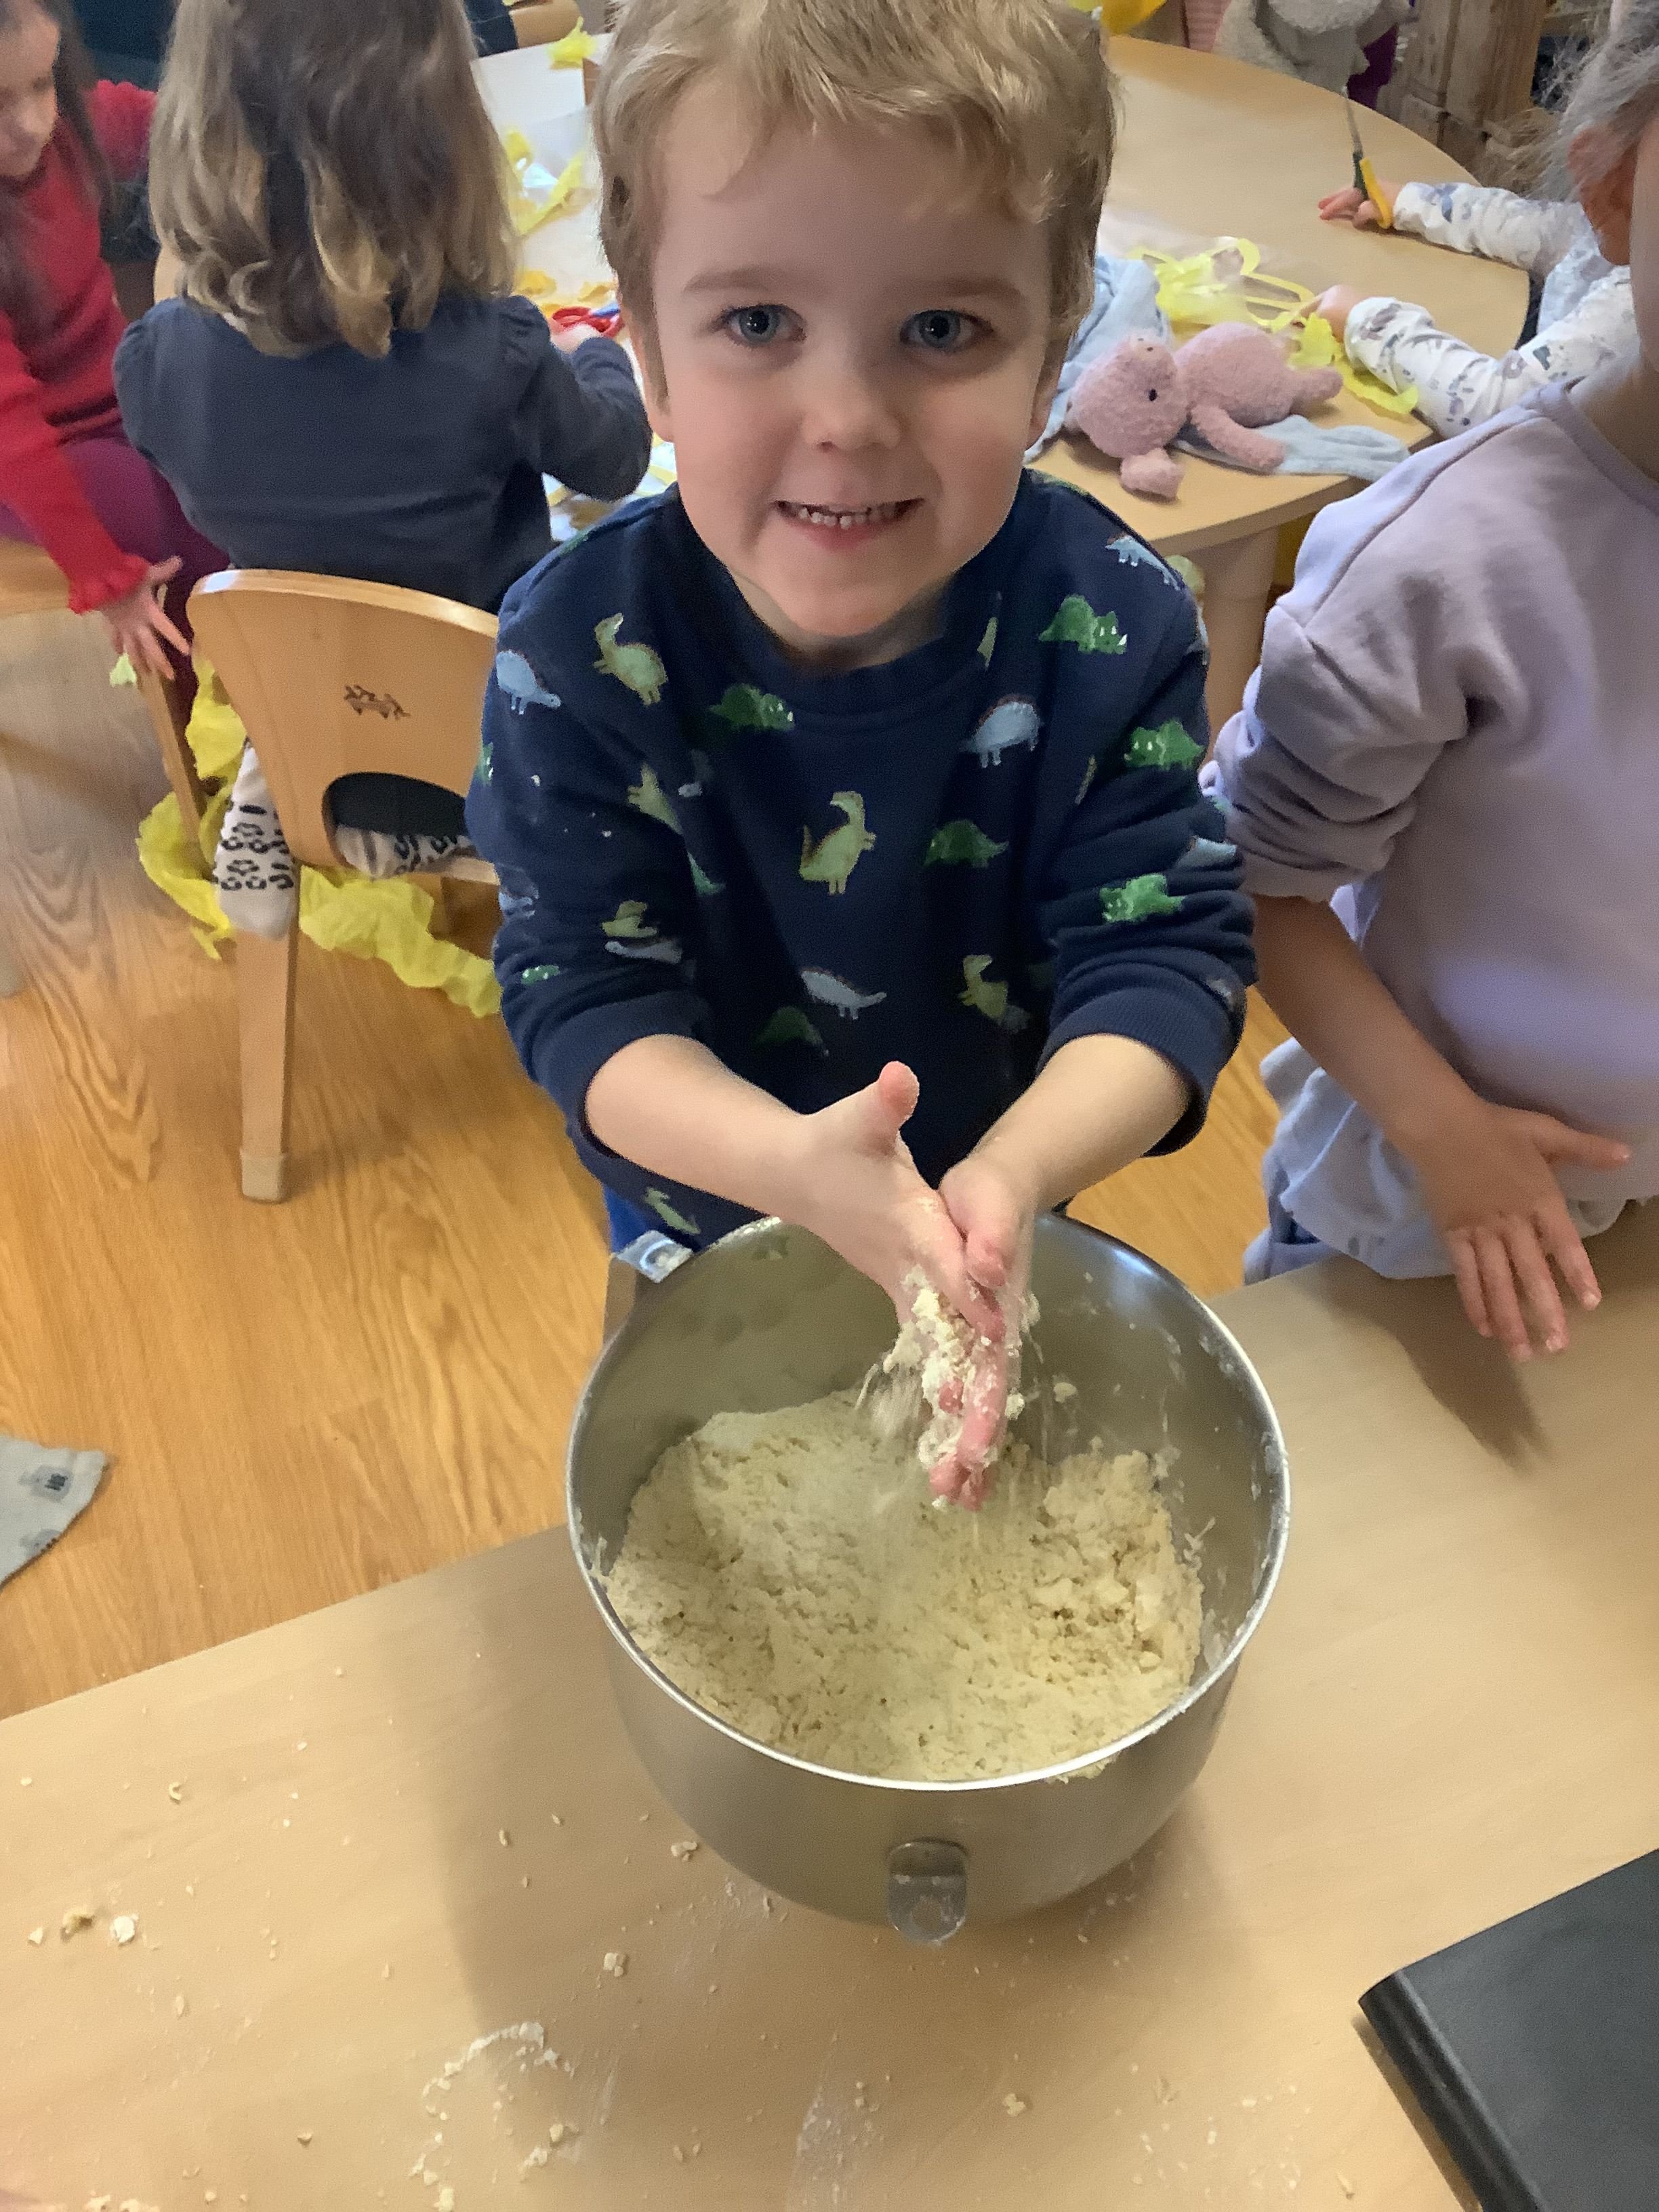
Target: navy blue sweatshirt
column 961, row 859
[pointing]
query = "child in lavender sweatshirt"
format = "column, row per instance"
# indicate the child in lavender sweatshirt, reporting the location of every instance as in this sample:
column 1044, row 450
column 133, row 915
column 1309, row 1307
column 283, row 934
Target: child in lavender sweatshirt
column 1445, row 781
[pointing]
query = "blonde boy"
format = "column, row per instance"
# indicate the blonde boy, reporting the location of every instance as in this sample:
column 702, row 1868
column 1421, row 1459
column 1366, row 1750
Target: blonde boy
column 849, row 789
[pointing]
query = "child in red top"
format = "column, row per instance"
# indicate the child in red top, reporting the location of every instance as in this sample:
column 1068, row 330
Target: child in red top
column 68, row 480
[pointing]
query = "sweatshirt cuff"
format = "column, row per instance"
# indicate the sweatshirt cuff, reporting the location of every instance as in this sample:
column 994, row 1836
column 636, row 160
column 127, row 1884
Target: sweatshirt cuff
column 1191, row 1028
column 88, row 593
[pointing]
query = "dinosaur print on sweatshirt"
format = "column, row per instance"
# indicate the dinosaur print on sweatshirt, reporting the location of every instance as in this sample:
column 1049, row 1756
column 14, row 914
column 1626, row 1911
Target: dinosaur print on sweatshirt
column 648, row 798
column 835, row 991
column 520, row 685
column 1137, row 900
column 630, row 920
column 990, row 998
column 1003, row 728
column 744, row 706
column 790, row 1026
column 832, row 860
column 1170, row 745
column 669, row 1214
column 636, row 666
column 961, row 844
column 1077, row 623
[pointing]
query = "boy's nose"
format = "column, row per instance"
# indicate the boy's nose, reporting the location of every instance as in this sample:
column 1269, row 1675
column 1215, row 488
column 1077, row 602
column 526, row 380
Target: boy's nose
column 845, row 407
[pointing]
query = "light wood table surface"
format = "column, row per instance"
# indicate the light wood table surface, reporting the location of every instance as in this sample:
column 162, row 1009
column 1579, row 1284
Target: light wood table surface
column 1210, row 148
column 1448, row 1713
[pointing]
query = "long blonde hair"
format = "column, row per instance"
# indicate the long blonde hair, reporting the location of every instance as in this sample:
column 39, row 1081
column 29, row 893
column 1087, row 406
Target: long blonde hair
column 326, row 169
column 1017, row 91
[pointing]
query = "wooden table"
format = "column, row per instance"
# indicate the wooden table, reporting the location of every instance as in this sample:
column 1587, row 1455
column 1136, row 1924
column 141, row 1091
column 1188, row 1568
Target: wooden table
column 1210, row 148
column 338, row 1840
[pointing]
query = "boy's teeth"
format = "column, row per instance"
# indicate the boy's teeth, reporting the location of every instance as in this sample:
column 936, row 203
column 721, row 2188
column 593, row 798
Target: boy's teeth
column 841, row 518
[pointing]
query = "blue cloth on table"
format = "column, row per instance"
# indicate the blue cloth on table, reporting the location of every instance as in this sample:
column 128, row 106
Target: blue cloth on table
column 1126, row 304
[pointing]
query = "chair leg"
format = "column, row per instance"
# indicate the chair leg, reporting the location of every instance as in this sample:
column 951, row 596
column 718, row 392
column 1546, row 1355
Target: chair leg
column 265, row 990
column 168, row 720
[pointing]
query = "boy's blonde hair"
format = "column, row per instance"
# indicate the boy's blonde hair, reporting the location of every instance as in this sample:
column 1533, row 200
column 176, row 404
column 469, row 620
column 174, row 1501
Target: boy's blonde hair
column 326, row 169
column 1018, row 92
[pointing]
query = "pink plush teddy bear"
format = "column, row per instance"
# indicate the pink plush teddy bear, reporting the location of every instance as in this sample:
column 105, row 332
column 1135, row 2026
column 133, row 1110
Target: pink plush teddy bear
column 1226, row 382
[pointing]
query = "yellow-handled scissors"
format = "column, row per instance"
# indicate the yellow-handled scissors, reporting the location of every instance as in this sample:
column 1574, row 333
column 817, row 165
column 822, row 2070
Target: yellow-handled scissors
column 1364, row 176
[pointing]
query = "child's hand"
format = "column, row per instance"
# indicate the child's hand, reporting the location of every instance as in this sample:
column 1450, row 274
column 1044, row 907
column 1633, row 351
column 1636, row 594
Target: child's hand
column 1336, row 306
column 1350, row 205
column 1488, row 1180
column 856, row 1187
column 568, row 337
column 138, row 623
column 995, row 1222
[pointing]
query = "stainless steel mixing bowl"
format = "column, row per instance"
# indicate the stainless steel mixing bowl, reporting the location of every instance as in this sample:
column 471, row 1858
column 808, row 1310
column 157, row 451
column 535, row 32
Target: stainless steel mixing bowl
column 770, row 1317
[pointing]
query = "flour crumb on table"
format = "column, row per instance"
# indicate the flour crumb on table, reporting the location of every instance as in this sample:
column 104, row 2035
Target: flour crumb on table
column 1062, row 1390
column 176, row 1791
column 788, row 1573
column 682, row 1851
column 445, row 2200
column 36, row 1935
column 123, row 1928
column 616, row 1964
column 77, row 1917
column 540, row 2156
column 181, row 2005
column 1014, row 2105
column 557, row 2132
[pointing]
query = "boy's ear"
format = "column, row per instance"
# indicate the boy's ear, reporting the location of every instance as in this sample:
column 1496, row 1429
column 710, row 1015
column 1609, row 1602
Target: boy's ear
column 1606, row 192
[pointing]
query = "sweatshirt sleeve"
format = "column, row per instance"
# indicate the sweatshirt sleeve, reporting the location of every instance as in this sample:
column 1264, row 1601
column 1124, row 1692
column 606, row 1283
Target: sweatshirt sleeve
column 1139, row 895
column 1500, row 226
column 43, row 492
column 580, row 418
column 121, row 118
column 1457, row 385
column 1359, row 690
column 559, row 805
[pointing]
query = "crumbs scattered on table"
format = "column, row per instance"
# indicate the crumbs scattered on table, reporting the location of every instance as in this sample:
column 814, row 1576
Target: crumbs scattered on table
column 503, row 1840
column 305, row 2137
column 77, row 1917
column 36, row 1935
column 555, row 1819
column 181, row 2005
column 1344, row 2184
column 446, row 2199
column 557, row 2132
column 1014, row 2105
column 25, row 1782
column 682, row 1851
column 616, row 1963
column 176, row 1791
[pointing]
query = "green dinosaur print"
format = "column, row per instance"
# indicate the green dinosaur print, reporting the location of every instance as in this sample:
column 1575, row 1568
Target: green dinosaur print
column 987, row 644
column 954, row 843
column 701, row 882
column 790, row 1026
column 743, row 707
column 486, row 761
column 636, row 666
column 648, row 798
column 835, row 856
column 1167, row 747
column 629, row 920
column 544, row 973
column 1089, row 769
column 1137, row 900
column 665, row 1210
column 1077, row 623
column 989, row 999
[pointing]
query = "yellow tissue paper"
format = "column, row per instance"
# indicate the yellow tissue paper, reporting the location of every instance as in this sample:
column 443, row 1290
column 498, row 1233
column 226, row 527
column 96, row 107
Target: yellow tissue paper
column 576, row 47
column 123, row 672
column 533, row 194
column 1226, row 284
column 389, row 920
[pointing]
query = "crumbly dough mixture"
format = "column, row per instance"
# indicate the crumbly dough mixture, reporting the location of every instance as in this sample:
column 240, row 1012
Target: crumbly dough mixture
column 933, row 1361
column 790, row 1574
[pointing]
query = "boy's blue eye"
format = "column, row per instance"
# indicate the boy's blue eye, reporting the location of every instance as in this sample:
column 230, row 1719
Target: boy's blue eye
column 756, row 326
column 939, row 330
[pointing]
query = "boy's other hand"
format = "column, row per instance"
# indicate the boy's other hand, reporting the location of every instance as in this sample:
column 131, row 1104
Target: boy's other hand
column 1336, row 306
column 857, row 1188
column 1352, row 205
column 994, row 1220
column 1488, row 1178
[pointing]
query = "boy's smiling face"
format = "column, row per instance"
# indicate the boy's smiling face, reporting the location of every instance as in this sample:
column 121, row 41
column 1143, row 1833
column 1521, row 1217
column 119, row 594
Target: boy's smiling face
column 851, row 358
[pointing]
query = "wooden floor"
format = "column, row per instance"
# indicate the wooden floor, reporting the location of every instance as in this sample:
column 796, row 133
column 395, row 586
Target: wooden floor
column 307, row 1400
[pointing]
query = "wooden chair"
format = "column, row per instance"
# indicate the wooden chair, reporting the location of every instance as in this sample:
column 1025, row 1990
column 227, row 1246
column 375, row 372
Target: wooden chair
column 331, row 677
column 32, row 583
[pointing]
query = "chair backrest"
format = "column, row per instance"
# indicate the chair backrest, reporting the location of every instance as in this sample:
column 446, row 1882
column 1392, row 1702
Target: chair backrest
column 31, row 581
column 335, row 678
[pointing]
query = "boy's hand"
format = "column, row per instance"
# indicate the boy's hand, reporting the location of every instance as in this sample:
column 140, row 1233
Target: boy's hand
column 1352, row 205
column 995, row 1222
column 1488, row 1178
column 139, row 626
column 856, row 1187
column 1336, row 306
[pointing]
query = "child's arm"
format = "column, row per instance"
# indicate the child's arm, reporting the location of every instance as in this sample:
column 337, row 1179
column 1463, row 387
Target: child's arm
column 1457, row 385
column 121, row 115
column 1487, row 1172
column 1500, row 226
column 580, row 417
column 1320, row 774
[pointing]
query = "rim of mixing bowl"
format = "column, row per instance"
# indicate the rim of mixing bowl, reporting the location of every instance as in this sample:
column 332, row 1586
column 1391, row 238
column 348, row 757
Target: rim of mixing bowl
column 1278, row 1538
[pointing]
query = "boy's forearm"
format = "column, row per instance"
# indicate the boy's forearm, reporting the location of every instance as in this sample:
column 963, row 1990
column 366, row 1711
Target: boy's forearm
column 669, row 1105
column 1317, row 980
column 1099, row 1102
